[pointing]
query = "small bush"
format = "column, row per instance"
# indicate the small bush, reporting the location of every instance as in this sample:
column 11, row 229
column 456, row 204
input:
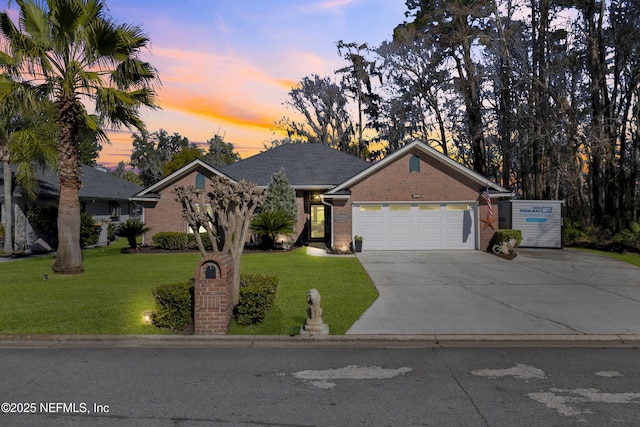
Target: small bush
column 171, row 241
column 629, row 239
column 268, row 224
column 44, row 221
column 572, row 233
column 89, row 230
column 257, row 293
column 174, row 306
column 176, row 241
column 506, row 235
column 111, row 231
column 131, row 229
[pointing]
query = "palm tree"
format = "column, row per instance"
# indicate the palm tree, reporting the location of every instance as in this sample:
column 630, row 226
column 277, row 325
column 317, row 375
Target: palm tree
column 73, row 50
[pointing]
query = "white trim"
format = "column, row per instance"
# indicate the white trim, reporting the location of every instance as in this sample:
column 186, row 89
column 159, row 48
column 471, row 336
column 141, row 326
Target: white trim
column 336, row 196
column 144, row 199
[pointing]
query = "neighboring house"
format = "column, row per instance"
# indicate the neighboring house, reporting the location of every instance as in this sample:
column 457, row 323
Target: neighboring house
column 103, row 195
column 413, row 199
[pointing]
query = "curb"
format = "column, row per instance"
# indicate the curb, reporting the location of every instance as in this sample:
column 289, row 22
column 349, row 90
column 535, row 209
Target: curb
column 389, row 341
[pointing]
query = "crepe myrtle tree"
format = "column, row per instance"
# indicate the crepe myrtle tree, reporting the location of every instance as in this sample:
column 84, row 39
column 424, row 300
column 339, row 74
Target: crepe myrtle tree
column 224, row 210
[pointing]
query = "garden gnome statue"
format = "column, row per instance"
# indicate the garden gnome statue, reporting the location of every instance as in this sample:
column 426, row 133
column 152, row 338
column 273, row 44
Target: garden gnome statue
column 314, row 324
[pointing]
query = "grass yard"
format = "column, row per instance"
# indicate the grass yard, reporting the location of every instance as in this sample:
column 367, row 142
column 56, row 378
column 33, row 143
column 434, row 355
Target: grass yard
column 631, row 258
column 110, row 297
column 115, row 290
column 344, row 286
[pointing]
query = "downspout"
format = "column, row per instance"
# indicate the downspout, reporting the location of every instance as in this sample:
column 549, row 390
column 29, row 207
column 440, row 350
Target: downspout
column 137, row 205
column 331, row 207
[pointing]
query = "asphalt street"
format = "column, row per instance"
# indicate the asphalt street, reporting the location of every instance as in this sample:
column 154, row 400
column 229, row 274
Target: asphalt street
column 317, row 385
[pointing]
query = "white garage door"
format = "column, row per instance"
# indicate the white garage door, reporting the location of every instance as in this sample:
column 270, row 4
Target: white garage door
column 415, row 226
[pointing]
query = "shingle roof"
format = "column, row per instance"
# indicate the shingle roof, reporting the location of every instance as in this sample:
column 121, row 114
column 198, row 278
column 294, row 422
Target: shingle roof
column 96, row 185
column 305, row 165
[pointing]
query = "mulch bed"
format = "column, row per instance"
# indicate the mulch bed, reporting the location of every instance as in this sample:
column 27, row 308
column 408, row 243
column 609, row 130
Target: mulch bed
column 506, row 256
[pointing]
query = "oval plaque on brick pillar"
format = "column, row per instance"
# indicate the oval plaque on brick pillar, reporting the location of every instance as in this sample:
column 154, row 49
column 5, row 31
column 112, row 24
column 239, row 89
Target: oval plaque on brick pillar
column 213, row 294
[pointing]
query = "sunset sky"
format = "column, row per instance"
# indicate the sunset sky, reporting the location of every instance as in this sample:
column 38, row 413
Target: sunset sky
column 226, row 66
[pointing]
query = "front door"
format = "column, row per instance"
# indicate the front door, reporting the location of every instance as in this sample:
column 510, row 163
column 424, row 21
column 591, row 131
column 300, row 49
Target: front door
column 317, row 222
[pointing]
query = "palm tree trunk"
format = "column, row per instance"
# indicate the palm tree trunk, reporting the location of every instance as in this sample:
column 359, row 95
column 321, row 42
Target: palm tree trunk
column 69, row 255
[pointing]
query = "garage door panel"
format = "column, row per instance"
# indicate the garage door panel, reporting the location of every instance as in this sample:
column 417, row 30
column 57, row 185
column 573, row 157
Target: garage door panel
column 459, row 229
column 418, row 227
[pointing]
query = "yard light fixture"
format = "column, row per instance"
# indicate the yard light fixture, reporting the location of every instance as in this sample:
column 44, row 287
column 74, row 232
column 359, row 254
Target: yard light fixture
column 147, row 317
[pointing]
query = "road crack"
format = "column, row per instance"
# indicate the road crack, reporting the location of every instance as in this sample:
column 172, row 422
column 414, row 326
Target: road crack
column 511, row 307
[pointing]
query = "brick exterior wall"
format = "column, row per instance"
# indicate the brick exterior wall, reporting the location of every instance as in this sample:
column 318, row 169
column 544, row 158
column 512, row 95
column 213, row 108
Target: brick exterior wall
column 213, row 297
column 166, row 213
column 435, row 182
column 394, row 182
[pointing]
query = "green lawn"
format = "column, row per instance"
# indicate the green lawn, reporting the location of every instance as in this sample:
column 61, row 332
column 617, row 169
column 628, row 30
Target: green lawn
column 631, row 258
column 344, row 286
column 112, row 294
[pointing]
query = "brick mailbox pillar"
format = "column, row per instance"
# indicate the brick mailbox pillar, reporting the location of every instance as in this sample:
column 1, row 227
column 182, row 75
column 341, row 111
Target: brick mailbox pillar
column 213, row 294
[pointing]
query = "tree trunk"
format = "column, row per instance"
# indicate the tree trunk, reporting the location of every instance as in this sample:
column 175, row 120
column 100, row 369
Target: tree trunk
column 7, row 218
column 469, row 83
column 69, row 255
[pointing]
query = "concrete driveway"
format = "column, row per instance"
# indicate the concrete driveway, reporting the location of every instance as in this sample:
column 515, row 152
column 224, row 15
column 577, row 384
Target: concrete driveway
column 472, row 292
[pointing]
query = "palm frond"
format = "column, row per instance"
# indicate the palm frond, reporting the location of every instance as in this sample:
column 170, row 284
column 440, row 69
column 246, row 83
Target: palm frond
column 133, row 72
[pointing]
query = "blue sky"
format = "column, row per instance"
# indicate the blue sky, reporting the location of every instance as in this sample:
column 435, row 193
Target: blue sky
column 227, row 66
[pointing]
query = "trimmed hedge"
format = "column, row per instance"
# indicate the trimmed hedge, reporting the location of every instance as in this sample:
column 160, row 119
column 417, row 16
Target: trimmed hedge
column 257, row 293
column 174, row 306
column 506, row 235
column 174, row 302
column 177, row 241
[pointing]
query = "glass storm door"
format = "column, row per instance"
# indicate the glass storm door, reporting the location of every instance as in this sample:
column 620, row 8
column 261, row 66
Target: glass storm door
column 317, row 221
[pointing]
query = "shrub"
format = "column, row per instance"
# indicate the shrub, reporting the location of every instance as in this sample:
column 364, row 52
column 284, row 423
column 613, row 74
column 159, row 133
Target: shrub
column 257, row 293
column 506, row 235
column 131, row 229
column 171, row 240
column 572, row 233
column 111, row 231
column 629, row 239
column 177, row 241
column 89, row 230
column 268, row 224
column 174, row 306
column 44, row 221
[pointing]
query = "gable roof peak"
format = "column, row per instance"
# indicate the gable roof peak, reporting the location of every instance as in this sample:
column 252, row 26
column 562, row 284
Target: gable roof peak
column 430, row 151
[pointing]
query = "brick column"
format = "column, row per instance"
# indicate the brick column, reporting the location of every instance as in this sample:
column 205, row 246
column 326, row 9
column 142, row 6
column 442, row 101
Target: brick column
column 486, row 232
column 213, row 294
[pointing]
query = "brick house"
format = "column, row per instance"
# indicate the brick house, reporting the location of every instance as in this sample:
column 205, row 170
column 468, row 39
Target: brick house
column 311, row 170
column 413, row 199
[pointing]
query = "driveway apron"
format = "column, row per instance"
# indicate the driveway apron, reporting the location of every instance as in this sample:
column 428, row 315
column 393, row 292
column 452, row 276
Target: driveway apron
column 541, row 291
